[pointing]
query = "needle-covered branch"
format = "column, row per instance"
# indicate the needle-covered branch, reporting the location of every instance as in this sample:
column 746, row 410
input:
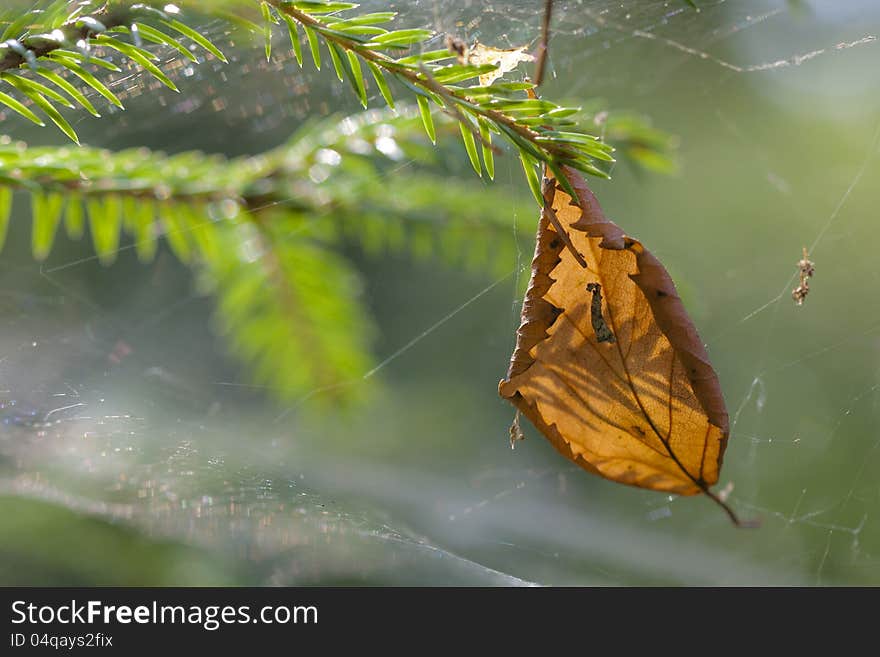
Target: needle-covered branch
column 42, row 46
column 49, row 53
column 262, row 236
column 540, row 130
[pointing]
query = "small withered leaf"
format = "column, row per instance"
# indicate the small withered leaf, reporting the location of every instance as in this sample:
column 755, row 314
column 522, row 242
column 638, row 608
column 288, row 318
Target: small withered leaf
column 608, row 365
column 479, row 54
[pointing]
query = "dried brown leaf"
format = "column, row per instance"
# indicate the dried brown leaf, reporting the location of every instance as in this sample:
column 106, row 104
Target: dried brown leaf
column 608, row 365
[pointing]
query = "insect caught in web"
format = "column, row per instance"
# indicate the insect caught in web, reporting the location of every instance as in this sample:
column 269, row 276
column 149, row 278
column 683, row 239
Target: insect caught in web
column 600, row 328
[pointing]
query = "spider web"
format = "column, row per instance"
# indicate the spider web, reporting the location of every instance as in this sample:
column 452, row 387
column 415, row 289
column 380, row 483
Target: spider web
column 118, row 412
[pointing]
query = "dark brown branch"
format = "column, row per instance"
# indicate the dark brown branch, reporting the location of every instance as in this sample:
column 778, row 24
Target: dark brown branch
column 41, row 44
column 541, row 59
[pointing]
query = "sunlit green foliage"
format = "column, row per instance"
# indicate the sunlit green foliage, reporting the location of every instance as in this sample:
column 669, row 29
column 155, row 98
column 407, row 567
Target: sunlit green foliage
column 38, row 40
column 264, row 232
column 633, row 136
column 540, row 130
column 263, row 236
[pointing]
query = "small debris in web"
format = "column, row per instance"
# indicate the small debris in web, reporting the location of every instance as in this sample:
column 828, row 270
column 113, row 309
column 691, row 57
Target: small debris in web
column 806, row 269
column 478, row 54
column 516, row 432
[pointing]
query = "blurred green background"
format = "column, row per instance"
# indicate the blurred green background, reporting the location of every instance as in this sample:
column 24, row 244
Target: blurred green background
column 169, row 470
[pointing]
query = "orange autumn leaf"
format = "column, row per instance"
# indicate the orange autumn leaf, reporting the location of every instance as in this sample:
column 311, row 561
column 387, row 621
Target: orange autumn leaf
column 608, row 365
